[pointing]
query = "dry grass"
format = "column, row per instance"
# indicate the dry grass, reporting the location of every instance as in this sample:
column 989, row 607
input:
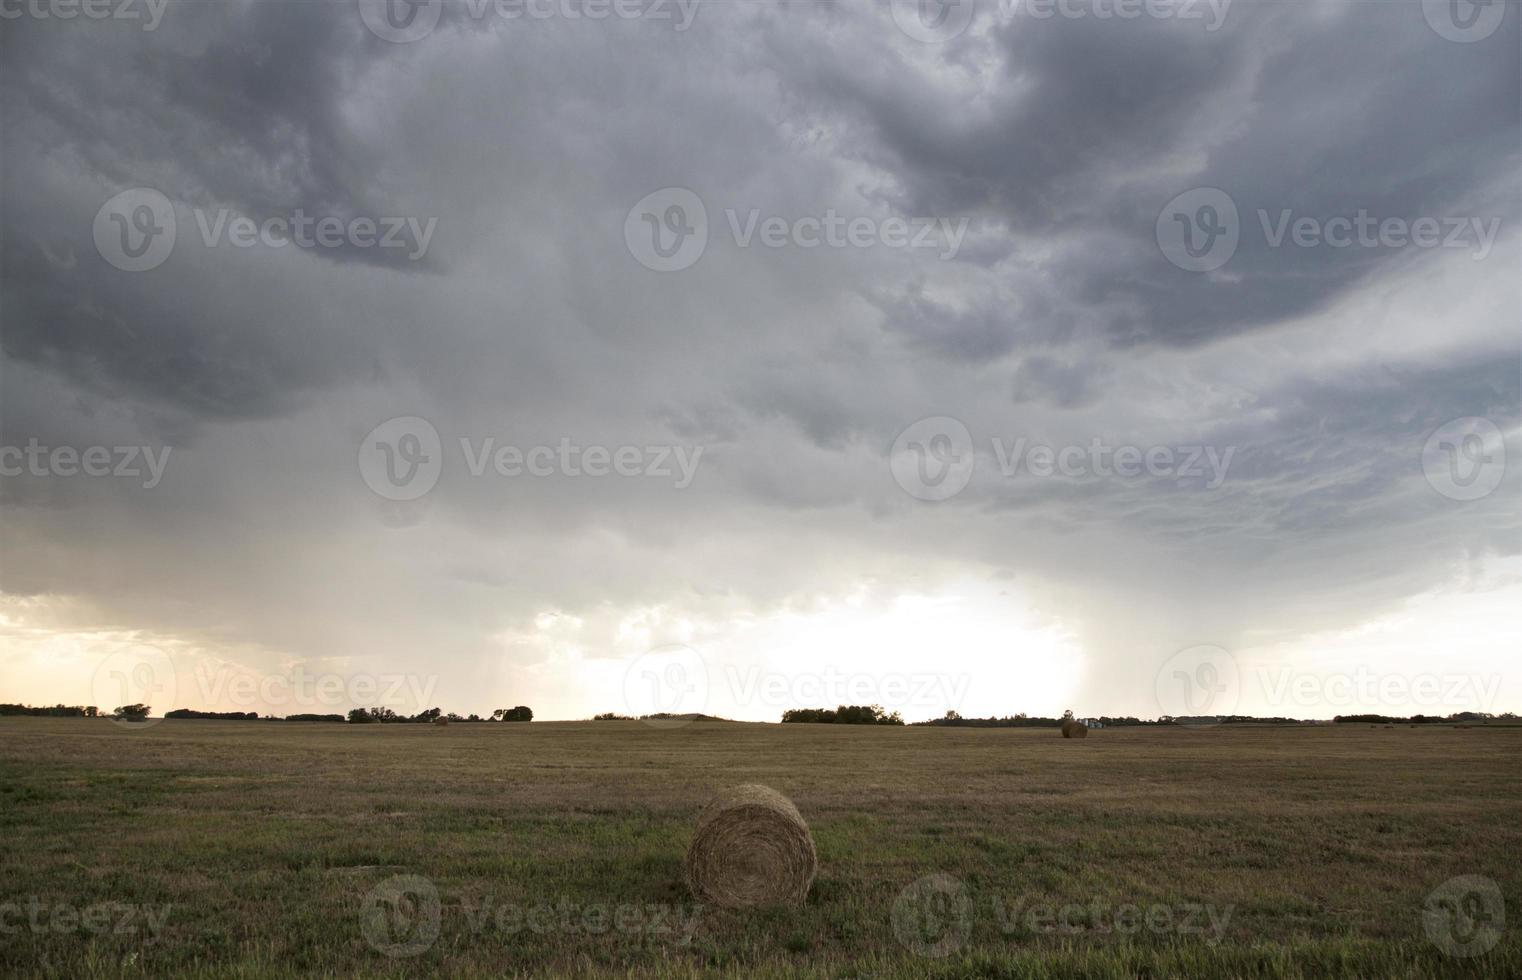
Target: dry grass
column 265, row 840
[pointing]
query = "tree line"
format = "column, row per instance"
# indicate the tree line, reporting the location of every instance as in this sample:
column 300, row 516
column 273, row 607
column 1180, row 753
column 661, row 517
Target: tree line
column 385, row 716
column 845, row 714
column 358, row 716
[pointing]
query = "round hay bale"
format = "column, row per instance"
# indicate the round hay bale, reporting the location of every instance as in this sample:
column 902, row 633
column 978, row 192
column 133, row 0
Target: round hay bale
column 751, row 847
column 1074, row 729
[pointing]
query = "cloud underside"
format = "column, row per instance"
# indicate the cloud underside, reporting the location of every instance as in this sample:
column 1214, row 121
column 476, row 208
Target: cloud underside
column 1059, row 321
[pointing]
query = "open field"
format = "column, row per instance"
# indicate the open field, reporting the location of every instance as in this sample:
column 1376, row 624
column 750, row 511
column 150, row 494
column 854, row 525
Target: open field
column 232, row 849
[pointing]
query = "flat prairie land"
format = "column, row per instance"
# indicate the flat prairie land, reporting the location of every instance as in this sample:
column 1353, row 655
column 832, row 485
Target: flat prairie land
column 257, row 849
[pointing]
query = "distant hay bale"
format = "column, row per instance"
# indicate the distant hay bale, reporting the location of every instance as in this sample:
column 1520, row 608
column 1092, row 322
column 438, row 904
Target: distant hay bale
column 1074, row 729
column 751, row 847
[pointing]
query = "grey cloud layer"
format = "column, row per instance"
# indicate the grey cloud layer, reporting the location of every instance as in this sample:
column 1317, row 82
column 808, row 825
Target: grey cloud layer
column 528, row 320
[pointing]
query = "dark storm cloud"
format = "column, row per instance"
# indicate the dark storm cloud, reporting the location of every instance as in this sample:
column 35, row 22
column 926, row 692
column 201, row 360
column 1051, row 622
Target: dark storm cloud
column 1078, row 132
column 528, row 321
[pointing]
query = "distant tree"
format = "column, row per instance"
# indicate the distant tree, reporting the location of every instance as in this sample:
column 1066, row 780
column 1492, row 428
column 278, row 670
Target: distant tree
column 428, row 715
column 520, row 713
column 359, row 716
column 846, row 714
column 91, row 711
column 131, row 712
column 611, row 716
column 952, row 716
column 43, row 711
column 473, row 717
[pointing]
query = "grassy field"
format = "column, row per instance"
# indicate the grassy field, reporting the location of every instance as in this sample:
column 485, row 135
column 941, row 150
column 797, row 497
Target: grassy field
column 247, row 849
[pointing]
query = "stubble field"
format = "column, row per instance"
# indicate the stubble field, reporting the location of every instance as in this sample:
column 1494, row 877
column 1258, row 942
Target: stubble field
column 256, row 849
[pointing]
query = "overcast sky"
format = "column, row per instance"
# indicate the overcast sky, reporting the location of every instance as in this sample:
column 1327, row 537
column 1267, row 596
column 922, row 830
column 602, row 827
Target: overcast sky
column 794, row 295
